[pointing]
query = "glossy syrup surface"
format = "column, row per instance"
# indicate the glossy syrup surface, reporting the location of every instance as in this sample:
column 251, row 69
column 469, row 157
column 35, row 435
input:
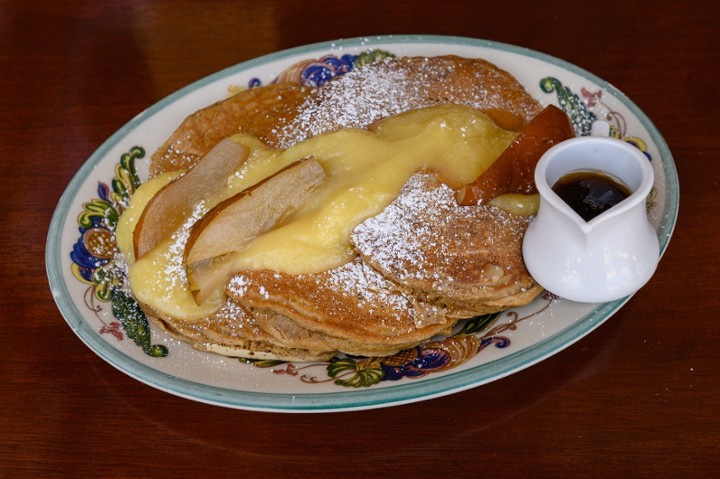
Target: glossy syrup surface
column 590, row 193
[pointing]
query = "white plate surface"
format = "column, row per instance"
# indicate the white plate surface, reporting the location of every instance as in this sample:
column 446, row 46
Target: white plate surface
column 518, row 339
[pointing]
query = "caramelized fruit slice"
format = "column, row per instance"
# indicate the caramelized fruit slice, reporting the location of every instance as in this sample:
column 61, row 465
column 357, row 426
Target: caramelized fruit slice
column 231, row 225
column 174, row 203
column 514, row 170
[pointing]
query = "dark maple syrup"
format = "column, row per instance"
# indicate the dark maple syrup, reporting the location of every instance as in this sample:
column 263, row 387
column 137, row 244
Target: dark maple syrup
column 590, row 193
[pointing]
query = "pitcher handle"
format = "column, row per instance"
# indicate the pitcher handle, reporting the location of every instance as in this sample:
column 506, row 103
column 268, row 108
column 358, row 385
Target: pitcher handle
column 600, row 128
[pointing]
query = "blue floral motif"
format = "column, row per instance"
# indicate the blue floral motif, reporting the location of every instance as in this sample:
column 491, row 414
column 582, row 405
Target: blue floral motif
column 426, row 361
column 97, row 223
column 93, row 256
column 86, row 261
column 499, row 341
column 317, row 74
column 103, row 191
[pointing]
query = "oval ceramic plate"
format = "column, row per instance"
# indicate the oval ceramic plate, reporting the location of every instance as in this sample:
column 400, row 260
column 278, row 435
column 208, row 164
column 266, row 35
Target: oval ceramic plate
column 81, row 263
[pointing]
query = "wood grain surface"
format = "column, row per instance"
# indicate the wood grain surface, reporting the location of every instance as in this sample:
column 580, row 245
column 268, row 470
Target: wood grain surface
column 639, row 397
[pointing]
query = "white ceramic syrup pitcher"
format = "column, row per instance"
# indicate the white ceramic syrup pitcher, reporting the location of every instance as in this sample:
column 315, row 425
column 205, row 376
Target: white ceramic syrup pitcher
column 613, row 254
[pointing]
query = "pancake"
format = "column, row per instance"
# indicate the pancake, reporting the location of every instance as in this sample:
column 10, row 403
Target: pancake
column 353, row 306
column 261, row 112
column 465, row 258
column 376, row 91
column 233, row 332
column 281, row 114
column 423, row 264
column 418, row 267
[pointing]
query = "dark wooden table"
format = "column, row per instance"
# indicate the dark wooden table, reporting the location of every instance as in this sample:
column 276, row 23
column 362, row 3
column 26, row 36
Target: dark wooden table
column 639, row 397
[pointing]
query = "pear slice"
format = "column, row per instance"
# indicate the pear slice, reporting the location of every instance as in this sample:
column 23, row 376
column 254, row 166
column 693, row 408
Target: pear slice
column 174, row 203
column 231, row 225
column 514, row 170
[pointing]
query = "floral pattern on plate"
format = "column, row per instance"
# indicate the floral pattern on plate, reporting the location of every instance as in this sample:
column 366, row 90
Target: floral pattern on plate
column 96, row 262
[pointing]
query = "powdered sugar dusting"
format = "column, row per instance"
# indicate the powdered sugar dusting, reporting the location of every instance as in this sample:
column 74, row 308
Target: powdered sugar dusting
column 233, row 318
column 175, row 272
column 406, row 218
column 355, row 100
column 354, row 280
column 405, row 233
column 238, row 285
column 353, row 292
column 358, row 280
column 424, row 235
column 395, row 85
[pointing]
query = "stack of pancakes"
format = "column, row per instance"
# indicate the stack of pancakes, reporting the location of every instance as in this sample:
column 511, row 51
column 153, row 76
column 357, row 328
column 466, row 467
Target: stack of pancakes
column 420, row 266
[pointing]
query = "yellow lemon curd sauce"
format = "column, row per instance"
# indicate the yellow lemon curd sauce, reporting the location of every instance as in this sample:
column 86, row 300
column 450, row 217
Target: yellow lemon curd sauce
column 365, row 172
